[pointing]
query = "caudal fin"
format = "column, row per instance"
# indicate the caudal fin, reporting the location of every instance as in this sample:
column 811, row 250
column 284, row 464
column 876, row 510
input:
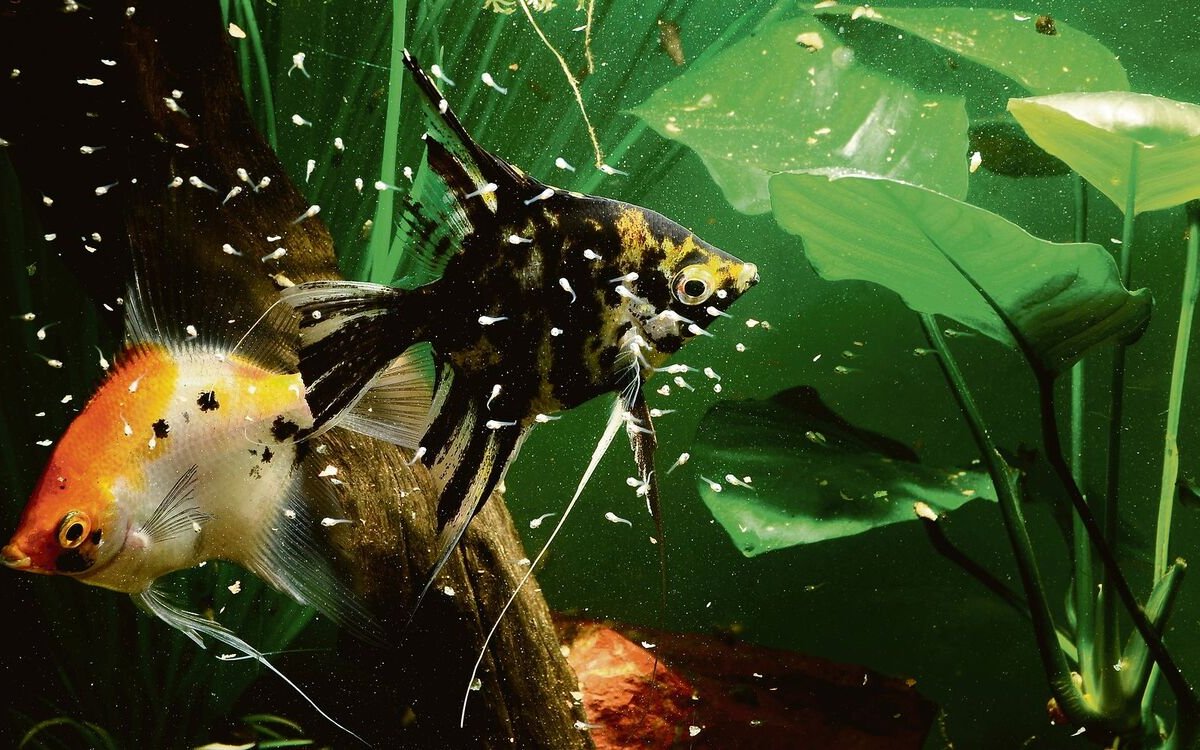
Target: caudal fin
column 358, row 368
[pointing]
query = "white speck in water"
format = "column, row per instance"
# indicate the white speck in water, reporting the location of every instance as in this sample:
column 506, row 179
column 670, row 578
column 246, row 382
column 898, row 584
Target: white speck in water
column 693, row 730
column 45, row 443
column 103, row 362
column 443, row 105
column 175, row 182
column 309, row 167
column 495, row 392
column 544, row 418
column 339, row 144
column 276, row 254
column 664, row 390
column 191, row 331
column 489, row 81
column 487, row 320
column 196, row 182
column 228, row 249
column 408, row 173
column 711, row 373
column 606, row 169
column 299, row 121
column 490, row 187
column 358, row 184
column 236, row 32
column 562, row 163
column 103, row 189
column 418, row 454
column 495, row 424
column 537, row 522
column 66, row 399
column 448, row 590
column 262, row 184
column 591, row 255
column 152, row 443
column 714, row 486
column 234, row 192
column 90, row 82
column 289, row 514
column 476, row 685
column 556, row 331
column 334, row 521
column 656, row 413
column 976, row 160
column 683, row 459
column 696, row 330
column 235, row 587
column 41, row 332
column 328, row 471
column 679, row 381
column 516, row 239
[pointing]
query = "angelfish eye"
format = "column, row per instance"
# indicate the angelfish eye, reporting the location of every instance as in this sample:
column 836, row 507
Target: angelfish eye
column 693, row 285
column 73, row 529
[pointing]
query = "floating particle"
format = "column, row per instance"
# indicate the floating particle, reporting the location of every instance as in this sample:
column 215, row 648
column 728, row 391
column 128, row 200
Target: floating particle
column 228, row 249
column 275, row 254
column 234, row 192
column 556, row 331
column 562, row 163
column 339, row 144
column 236, row 32
column 41, row 332
column 670, row 41
column 751, row 323
column 679, row 381
column 235, row 587
column 731, row 479
column 664, row 390
column 45, row 443
column 358, row 184
column 606, row 169
column 811, row 41
column 495, row 392
column 487, row 320
column 66, row 399
column 545, row 194
column 437, row 72
column 289, row 514
column 544, row 418
column 309, row 166
column 298, row 64
column 693, row 730
column 614, row 518
column 516, row 239
column 408, row 173
column 656, row 413
column 299, row 121
column 191, row 331
column 476, row 685
column 380, row 185
column 711, row 374
column 591, row 255
column 495, row 424
column 448, row 590
column 537, row 522
column 103, row 189
column 976, row 160
column 174, row 106
column 815, row 437
column 489, row 81
column 566, row 286
column 327, row 522
column 103, row 362
column 843, row 370
column 714, row 486
column 90, row 82
column 923, row 352
column 49, row 237
column 175, row 182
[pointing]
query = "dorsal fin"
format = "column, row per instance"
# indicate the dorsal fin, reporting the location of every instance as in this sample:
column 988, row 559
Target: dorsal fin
column 456, row 194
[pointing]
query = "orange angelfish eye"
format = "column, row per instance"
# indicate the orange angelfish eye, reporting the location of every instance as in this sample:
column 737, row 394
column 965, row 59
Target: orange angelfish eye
column 74, row 529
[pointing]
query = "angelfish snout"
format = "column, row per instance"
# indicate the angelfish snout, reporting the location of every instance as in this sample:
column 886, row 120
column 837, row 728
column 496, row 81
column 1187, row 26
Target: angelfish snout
column 748, row 277
column 14, row 557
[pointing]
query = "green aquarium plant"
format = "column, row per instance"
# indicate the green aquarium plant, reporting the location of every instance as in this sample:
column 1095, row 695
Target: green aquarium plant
column 847, row 181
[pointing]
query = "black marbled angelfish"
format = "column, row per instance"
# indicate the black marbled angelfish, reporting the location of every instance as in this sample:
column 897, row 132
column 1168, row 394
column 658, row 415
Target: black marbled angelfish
column 547, row 298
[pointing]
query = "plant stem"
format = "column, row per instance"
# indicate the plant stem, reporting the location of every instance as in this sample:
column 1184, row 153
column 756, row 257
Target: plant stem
column 1084, row 575
column 264, row 75
column 1108, row 629
column 1170, row 467
column 1068, row 696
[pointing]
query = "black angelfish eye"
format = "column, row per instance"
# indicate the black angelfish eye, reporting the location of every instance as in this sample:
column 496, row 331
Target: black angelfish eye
column 694, row 285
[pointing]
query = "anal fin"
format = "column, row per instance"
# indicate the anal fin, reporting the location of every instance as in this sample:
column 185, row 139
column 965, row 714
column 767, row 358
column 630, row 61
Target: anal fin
column 395, row 405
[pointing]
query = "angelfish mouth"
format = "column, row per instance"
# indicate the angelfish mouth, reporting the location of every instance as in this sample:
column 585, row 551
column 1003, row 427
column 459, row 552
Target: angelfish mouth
column 14, row 558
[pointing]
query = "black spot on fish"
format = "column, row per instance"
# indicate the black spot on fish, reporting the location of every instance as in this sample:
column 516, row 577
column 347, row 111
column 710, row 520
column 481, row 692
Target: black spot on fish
column 282, row 429
column 208, row 401
column 96, row 536
column 161, row 429
column 267, row 455
column 187, row 418
column 72, row 561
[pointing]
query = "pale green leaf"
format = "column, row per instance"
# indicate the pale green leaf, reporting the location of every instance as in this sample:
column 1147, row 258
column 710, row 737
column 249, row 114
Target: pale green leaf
column 1120, row 141
column 813, row 476
column 792, row 97
column 938, row 253
column 1010, row 43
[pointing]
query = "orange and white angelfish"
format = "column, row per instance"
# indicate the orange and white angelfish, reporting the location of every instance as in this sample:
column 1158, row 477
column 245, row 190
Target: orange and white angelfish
column 187, row 453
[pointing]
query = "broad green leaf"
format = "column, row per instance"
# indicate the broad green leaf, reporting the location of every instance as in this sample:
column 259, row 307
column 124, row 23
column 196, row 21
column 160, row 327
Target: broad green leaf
column 933, row 251
column 1120, row 141
column 792, row 97
column 814, row 476
column 1015, row 44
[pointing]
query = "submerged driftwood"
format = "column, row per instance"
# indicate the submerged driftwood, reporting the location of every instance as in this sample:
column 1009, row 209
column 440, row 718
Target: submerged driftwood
column 406, row 695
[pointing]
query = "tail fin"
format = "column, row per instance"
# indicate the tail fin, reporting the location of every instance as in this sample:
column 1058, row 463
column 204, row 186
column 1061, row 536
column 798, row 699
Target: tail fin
column 354, row 362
